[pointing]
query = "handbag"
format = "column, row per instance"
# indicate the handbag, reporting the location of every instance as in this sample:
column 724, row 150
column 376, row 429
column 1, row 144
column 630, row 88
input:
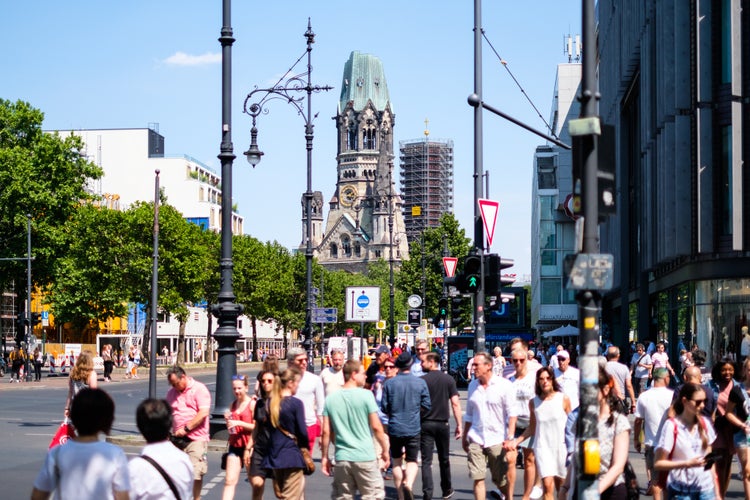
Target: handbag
column 180, row 442
column 64, row 432
column 661, row 481
column 631, row 482
column 306, row 456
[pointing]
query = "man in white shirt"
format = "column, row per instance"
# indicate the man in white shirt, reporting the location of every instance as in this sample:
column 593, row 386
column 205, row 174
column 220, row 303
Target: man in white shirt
column 310, row 391
column 333, row 376
column 569, row 378
column 553, row 362
column 649, row 413
column 154, row 420
column 422, row 348
column 489, row 421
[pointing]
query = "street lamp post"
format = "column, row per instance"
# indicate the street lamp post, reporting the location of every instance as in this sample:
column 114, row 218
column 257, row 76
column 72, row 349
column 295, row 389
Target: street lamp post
column 286, row 91
column 226, row 309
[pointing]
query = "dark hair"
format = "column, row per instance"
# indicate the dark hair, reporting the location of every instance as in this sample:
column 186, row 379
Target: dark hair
column 92, row 412
column 154, row 419
column 688, row 391
column 262, row 392
column 350, row 368
column 551, row 372
column 433, row 356
column 177, row 371
column 716, row 370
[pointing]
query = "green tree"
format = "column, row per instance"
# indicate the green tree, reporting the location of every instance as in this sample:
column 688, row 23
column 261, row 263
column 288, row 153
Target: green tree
column 44, row 176
column 430, row 249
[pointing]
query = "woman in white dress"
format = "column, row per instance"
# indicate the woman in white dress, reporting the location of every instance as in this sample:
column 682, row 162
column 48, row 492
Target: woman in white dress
column 549, row 413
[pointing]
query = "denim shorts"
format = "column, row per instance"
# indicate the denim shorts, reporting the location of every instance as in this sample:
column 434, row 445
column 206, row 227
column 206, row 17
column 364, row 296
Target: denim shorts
column 740, row 439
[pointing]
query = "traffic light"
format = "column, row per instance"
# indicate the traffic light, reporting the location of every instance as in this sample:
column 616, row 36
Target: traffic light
column 442, row 314
column 472, row 272
column 495, row 280
column 457, row 312
column 21, row 323
column 36, row 318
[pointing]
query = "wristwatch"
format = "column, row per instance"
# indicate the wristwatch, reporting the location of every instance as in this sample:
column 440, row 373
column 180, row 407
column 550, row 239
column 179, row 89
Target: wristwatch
column 186, row 429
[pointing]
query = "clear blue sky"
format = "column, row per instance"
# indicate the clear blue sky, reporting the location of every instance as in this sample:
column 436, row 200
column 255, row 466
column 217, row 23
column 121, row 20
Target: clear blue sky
column 94, row 64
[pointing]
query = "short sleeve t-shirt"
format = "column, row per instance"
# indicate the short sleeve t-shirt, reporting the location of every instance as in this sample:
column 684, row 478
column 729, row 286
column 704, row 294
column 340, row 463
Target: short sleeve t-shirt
column 348, row 411
column 185, row 406
column 524, row 390
column 607, row 435
column 688, row 445
column 442, row 388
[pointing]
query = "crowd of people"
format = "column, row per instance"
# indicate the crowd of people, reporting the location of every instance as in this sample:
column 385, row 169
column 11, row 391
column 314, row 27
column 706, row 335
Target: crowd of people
column 375, row 425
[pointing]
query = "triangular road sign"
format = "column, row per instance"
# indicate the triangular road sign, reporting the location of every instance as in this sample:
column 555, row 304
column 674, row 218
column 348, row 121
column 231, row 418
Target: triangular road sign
column 450, row 263
column 489, row 210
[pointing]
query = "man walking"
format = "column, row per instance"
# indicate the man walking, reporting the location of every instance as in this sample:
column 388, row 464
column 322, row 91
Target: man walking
column 191, row 404
column 621, row 375
column 489, row 421
column 421, row 348
column 568, row 377
column 435, row 426
column 147, row 480
column 310, row 391
column 649, row 412
column 376, row 371
column 333, row 376
column 348, row 416
column 404, row 397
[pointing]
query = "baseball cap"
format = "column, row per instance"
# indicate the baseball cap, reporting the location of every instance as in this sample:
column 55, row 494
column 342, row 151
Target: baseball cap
column 382, row 349
column 563, row 354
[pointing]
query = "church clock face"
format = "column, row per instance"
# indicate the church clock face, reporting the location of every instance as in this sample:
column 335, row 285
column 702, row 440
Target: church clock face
column 348, row 195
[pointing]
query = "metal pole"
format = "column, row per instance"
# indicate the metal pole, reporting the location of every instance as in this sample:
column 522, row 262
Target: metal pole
column 226, row 310
column 29, row 378
column 154, row 294
column 308, row 205
column 391, row 289
column 475, row 101
column 589, row 301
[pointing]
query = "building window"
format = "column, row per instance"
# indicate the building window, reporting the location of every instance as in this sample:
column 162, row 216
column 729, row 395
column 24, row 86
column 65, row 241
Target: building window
column 547, row 236
column 351, row 139
column 546, row 178
column 334, row 250
column 726, row 181
column 346, row 246
column 547, row 207
column 377, row 254
column 551, row 288
column 726, row 41
column 357, row 249
column 370, row 139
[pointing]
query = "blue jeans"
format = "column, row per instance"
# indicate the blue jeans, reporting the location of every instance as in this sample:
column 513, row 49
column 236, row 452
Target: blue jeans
column 697, row 495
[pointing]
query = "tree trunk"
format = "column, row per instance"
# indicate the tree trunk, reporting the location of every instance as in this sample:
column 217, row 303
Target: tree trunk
column 181, row 354
column 255, row 339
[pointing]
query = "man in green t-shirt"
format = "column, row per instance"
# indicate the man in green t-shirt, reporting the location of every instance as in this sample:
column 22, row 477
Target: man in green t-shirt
column 348, row 416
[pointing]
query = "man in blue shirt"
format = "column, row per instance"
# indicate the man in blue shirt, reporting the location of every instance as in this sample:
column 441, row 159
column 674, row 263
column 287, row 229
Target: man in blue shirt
column 404, row 397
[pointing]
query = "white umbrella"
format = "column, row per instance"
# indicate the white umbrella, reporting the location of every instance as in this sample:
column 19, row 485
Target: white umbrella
column 563, row 331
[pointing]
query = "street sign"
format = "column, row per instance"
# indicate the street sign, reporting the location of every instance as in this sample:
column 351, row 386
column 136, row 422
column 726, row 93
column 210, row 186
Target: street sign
column 592, row 271
column 450, row 264
column 45, row 318
column 363, row 304
column 380, row 325
column 325, row 314
column 489, row 210
column 414, row 317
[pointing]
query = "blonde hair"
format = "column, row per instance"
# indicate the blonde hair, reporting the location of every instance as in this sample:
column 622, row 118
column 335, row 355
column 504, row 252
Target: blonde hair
column 279, row 384
column 83, row 367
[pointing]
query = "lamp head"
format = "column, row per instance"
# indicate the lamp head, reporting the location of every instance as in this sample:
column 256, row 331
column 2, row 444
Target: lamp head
column 253, row 154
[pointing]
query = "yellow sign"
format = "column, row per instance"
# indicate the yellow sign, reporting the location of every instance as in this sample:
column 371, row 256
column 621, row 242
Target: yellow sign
column 380, row 325
column 416, row 211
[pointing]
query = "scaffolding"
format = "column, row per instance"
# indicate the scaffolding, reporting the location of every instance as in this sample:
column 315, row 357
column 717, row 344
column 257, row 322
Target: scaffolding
column 426, row 183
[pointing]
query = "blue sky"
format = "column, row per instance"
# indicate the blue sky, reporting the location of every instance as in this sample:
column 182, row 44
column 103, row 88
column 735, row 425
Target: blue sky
column 94, row 64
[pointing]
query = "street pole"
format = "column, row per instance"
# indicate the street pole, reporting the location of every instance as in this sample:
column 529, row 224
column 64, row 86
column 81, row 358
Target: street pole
column 226, row 309
column 391, row 288
column 29, row 377
column 253, row 154
column 154, row 294
column 589, row 300
column 475, row 101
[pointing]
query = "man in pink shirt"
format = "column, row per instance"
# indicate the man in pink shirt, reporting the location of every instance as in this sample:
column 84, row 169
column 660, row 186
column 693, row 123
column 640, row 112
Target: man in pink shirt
column 191, row 405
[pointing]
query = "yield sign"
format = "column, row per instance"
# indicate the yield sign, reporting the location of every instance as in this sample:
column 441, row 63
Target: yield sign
column 489, row 209
column 450, row 263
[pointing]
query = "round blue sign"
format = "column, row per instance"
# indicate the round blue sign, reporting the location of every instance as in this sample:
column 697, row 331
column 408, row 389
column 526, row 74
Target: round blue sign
column 363, row 301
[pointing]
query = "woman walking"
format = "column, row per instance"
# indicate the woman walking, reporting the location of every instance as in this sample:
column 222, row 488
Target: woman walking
column 108, row 362
column 240, row 425
column 523, row 385
column 261, row 438
column 549, row 413
column 742, row 412
column 684, row 442
column 289, row 433
column 82, row 376
column 727, row 396
column 38, row 360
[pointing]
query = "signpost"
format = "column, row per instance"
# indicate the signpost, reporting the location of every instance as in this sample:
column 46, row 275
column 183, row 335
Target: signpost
column 489, row 210
column 450, row 264
column 362, row 304
column 325, row 314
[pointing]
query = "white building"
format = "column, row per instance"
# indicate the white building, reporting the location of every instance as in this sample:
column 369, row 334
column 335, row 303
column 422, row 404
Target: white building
column 130, row 157
column 552, row 227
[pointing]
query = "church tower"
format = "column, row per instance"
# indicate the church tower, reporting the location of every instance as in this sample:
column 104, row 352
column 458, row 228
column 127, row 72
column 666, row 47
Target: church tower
column 365, row 218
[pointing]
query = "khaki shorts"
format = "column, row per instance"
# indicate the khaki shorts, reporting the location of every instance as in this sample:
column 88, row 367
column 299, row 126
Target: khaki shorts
column 197, row 451
column 348, row 477
column 493, row 458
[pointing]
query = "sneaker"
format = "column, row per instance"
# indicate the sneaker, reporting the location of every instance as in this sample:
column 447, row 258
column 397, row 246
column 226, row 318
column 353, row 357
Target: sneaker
column 449, row 494
column 536, row 492
column 496, row 495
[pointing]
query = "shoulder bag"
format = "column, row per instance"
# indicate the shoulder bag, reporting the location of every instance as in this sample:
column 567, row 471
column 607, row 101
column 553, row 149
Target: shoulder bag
column 164, row 474
column 306, row 456
column 631, row 482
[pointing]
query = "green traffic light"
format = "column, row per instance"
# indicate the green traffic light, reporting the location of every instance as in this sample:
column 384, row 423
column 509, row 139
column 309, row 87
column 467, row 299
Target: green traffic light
column 473, row 284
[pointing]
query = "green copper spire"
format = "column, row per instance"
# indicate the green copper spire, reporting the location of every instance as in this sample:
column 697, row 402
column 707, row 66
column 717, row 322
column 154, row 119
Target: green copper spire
column 364, row 79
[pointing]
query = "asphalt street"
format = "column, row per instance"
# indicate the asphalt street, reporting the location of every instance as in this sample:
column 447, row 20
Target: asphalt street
column 30, row 413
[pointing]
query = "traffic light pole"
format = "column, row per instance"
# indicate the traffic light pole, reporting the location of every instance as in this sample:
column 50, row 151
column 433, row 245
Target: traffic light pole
column 29, row 376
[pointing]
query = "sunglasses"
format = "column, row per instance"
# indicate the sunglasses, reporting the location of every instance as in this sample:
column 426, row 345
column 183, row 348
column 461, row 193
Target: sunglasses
column 388, row 367
column 267, row 380
column 238, row 377
column 519, row 360
column 698, row 402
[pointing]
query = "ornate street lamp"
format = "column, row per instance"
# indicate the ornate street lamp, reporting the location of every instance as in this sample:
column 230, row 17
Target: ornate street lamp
column 286, row 91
